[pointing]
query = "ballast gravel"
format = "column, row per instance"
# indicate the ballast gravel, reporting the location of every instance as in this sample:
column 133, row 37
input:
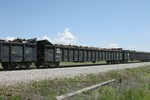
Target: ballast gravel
column 10, row 78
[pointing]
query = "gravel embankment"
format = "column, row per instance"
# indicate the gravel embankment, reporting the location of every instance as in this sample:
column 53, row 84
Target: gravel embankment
column 14, row 77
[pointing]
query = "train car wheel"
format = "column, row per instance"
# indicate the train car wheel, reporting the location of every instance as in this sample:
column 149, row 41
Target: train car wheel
column 37, row 65
column 45, row 65
column 27, row 65
column 12, row 66
column 5, row 66
column 57, row 64
column 51, row 65
column 54, row 64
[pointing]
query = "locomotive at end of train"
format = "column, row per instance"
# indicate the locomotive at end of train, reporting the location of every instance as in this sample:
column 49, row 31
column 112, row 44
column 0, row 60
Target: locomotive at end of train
column 23, row 53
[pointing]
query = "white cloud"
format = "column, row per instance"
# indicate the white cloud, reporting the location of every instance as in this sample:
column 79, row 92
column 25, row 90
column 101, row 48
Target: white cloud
column 47, row 38
column 10, row 38
column 109, row 45
column 66, row 37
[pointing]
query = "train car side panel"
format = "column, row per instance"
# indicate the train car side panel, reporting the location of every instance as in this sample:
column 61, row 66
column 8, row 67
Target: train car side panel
column 57, row 54
column 48, row 54
column 5, row 52
column 66, row 54
column 81, row 55
column 0, row 52
column 30, row 54
column 97, row 56
column 71, row 55
column 16, row 52
column 89, row 55
column 76, row 55
column 93, row 56
column 85, row 55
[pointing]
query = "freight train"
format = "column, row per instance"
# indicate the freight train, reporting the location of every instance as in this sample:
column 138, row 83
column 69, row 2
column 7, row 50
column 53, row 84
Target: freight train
column 23, row 53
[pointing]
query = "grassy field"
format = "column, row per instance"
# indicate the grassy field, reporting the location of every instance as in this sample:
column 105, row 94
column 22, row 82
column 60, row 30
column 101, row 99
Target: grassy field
column 131, row 84
column 134, row 85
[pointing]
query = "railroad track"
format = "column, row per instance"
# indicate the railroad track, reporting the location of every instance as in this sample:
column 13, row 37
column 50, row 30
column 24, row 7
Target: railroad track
column 62, row 66
column 25, row 76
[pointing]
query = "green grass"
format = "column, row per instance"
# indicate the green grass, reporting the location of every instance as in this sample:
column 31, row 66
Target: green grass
column 135, row 85
column 131, row 84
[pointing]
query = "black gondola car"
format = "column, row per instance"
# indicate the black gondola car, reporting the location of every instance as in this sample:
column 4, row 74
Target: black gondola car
column 13, row 54
column 136, row 55
column 49, row 55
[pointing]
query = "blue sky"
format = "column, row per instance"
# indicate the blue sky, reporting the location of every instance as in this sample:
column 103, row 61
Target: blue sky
column 100, row 23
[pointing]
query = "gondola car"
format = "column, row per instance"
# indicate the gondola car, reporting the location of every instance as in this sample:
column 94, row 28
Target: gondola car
column 17, row 54
column 136, row 55
column 49, row 55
